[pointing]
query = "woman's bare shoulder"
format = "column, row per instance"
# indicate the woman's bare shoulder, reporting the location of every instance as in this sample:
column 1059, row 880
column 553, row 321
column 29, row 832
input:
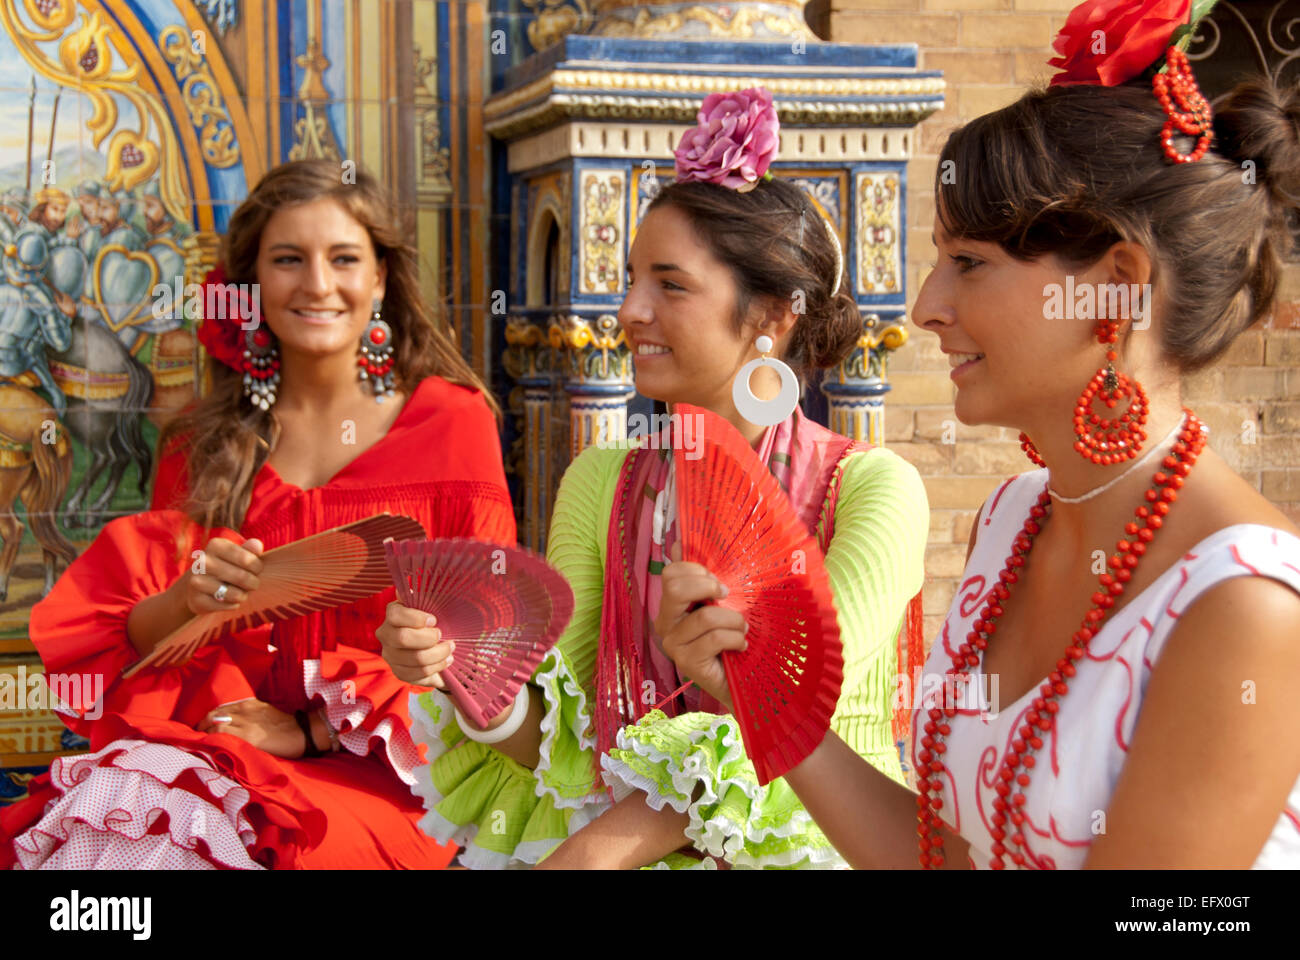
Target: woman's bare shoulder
column 1220, row 497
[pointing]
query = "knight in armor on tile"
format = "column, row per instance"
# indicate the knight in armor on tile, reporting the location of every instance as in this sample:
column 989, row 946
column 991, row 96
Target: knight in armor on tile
column 31, row 320
column 115, row 209
column 85, row 229
column 51, row 212
column 65, row 268
column 113, row 229
column 158, row 224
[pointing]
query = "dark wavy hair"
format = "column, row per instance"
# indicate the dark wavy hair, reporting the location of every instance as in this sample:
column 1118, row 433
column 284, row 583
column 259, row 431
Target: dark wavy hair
column 1072, row 170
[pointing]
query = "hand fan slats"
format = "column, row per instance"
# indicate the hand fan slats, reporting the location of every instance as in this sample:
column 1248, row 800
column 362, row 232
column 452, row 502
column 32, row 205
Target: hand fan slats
column 735, row 520
column 504, row 607
column 325, row 570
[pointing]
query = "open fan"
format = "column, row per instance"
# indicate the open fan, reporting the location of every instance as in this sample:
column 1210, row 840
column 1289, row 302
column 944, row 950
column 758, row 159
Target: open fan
column 734, row 519
column 504, row 607
column 324, row 570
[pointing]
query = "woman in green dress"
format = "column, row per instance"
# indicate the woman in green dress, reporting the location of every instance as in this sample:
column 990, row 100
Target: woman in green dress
column 602, row 756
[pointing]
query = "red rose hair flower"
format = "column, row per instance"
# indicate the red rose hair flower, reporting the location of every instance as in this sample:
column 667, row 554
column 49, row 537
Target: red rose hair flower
column 225, row 309
column 1109, row 42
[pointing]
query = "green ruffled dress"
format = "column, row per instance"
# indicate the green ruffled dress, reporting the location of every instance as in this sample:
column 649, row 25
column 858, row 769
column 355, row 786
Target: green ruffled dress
column 505, row 815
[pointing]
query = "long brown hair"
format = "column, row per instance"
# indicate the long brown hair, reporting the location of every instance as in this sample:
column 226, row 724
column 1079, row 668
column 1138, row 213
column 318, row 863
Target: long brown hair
column 1072, row 170
column 227, row 437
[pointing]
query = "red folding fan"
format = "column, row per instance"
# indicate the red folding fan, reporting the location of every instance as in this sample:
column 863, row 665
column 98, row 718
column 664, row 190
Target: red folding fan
column 324, row 570
column 504, row 607
column 734, row 519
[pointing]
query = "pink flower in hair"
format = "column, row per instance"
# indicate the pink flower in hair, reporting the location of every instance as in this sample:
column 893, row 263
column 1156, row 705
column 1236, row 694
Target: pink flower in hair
column 734, row 143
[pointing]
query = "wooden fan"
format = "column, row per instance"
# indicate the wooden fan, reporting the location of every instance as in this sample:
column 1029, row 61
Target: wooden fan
column 504, row 607
column 325, row 570
column 735, row 520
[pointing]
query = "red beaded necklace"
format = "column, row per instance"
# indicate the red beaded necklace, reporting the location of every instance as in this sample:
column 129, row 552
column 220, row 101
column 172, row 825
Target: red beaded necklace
column 1014, row 774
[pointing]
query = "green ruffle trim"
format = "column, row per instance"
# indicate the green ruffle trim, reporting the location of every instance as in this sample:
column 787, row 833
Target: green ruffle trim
column 700, row 756
column 679, row 861
column 502, row 813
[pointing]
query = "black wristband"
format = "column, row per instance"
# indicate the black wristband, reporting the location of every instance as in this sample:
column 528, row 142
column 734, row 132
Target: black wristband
column 304, row 721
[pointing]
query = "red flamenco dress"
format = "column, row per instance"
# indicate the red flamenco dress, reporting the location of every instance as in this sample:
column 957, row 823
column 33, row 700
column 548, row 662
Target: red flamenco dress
column 154, row 793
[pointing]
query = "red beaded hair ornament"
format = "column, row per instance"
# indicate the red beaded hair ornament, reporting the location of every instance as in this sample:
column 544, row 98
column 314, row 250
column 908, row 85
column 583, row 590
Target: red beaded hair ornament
column 1192, row 116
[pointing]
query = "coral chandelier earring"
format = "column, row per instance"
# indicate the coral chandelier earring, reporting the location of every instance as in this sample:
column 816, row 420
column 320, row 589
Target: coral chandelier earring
column 261, row 367
column 375, row 356
column 1102, row 440
column 1105, row 441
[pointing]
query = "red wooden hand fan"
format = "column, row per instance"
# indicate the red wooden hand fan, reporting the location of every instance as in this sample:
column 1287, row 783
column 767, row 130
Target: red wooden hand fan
column 327, row 569
column 504, row 607
column 735, row 520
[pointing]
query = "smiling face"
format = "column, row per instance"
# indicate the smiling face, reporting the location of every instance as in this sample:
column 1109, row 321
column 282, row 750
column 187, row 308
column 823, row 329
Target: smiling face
column 1014, row 364
column 678, row 315
column 319, row 278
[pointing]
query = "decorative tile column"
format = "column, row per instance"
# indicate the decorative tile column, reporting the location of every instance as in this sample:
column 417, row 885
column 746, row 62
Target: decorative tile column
column 599, row 368
column 856, row 388
column 529, row 360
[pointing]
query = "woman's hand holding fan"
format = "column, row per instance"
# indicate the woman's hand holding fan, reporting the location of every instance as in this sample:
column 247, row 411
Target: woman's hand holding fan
column 503, row 606
column 236, row 565
column 694, row 638
column 319, row 572
column 413, row 646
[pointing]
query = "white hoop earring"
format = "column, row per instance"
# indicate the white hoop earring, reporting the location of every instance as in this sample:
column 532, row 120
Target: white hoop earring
column 765, row 413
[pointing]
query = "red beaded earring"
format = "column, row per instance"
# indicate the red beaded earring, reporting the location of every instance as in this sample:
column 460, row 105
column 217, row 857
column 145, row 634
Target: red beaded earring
column 260, row 364
column 375, row 355
column 1107, row 441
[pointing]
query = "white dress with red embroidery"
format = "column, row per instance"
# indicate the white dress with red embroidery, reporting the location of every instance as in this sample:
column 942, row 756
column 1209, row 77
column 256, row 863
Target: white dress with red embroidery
column 1081, row 758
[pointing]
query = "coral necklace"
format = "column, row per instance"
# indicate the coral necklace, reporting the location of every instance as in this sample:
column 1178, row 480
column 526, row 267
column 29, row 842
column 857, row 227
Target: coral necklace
column 1014, row 775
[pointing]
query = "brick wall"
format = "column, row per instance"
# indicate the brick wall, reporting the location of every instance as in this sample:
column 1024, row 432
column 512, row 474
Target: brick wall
column 989, row 51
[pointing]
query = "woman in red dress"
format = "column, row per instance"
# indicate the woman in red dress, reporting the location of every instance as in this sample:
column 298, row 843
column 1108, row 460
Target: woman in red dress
column 285, row 746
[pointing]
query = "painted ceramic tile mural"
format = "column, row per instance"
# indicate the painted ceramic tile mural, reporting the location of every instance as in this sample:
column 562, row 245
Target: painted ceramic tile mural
column 129, row 131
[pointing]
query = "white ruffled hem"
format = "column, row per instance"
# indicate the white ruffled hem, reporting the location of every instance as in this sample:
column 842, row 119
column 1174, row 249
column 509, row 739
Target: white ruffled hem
column 104, row 813
column 716, row 836
column 429, row 731
column 346, row 716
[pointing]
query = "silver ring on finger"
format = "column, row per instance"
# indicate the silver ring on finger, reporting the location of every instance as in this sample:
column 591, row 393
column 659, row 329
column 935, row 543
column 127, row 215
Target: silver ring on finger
column 220, row 594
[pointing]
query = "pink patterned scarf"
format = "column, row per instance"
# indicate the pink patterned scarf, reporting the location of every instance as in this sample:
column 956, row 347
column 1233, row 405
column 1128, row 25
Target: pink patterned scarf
column 632, row 672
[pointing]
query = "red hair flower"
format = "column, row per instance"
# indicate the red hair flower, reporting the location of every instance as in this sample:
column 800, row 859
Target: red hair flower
column 1109, row 42
column 228, row 313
